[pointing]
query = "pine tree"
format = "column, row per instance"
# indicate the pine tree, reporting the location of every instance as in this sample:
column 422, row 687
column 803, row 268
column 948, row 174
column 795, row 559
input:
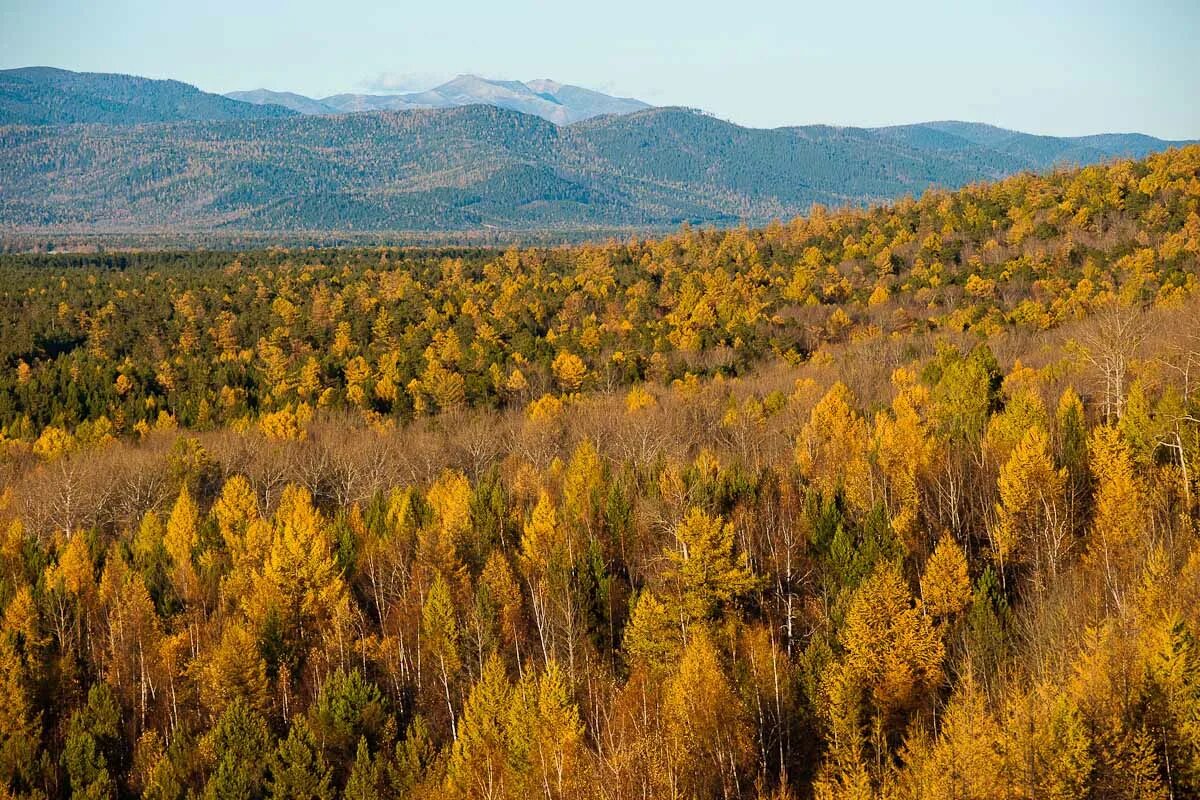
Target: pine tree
column 347, row 709
column 414, row 757
column 242, row 747
column 1072, row 444
column 89, row 754
column 965, row 394
column 364, row 780
column 298, row 770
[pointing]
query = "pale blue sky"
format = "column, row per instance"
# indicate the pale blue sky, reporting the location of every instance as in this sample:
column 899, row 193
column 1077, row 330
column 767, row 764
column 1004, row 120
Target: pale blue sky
column 1066, row 67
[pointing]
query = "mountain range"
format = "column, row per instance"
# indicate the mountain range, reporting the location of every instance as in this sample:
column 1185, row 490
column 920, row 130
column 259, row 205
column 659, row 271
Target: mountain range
column 50, row 96
column 557, row 102
column 220, row 164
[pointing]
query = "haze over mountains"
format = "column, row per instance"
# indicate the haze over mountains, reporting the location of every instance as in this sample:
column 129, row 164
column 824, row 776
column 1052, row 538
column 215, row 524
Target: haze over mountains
column 47, row 95
column 556, row 102
column 160, row 155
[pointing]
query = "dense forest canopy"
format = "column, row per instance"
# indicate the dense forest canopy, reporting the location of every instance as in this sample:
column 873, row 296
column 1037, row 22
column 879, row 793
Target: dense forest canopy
column 897, row 502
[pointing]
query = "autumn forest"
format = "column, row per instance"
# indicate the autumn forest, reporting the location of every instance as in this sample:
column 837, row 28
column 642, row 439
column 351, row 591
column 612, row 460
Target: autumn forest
column 894, row 502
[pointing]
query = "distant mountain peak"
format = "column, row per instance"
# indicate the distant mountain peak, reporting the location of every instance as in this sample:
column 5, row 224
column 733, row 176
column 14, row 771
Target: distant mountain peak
column 560, row 103
column 546, row 85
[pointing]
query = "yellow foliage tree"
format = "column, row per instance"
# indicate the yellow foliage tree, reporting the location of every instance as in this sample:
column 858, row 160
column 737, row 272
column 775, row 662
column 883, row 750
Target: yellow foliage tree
column 516, row 382
column 181, row 542
column 20, row 722
column 638, row 398
column 445, row 386
column 286, row 424
column 705, row 575
column 945, row 584
column 233, row 671
column 707, row 734
column 1030, row 521
column 905, row 452
column 583, row 488
column 892, row 649
column 966, row 761
column 300, row 585
column 832, row 449
column 236, row 510
column 652, row 637
column 439, row 627
column 1047, row 748
column 438, row 544
column 569, row 371
column 1118, row 522
column 479, row 762
column 557, row 749
column 53, row 443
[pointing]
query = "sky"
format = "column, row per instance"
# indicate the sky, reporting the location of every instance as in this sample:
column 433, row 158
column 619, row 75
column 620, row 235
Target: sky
column 1060, row 67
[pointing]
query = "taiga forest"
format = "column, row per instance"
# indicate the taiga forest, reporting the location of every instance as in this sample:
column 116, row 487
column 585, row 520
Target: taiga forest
column 897, row 501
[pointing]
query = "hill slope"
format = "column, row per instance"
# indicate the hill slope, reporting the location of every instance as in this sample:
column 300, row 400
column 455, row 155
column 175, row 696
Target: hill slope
column 481, row 166
column 49, row 96
column 736, row 497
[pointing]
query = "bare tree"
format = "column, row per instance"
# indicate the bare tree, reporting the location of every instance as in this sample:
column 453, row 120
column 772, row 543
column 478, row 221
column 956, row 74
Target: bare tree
column 1110, row 339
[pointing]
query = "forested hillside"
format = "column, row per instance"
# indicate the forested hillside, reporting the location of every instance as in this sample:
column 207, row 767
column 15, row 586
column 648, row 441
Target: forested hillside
column 897, row 502
column 479, row 168
column 49, row 96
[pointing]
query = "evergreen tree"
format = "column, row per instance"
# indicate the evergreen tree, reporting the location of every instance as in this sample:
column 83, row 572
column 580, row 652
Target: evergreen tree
column 298, row 769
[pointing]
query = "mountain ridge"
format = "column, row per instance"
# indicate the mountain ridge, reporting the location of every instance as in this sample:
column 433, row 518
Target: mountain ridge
column 473, row 167
column 53, row 96
column 98, row 152
column 50, row 96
